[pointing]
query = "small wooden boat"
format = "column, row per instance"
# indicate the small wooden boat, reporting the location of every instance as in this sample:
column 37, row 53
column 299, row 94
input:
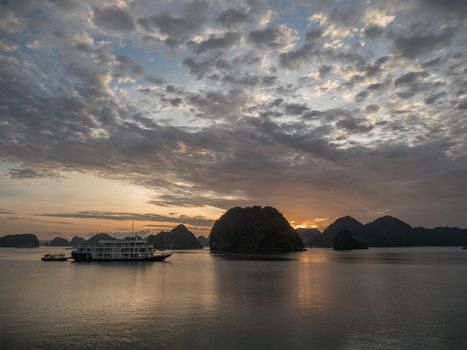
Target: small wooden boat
column 55, row 257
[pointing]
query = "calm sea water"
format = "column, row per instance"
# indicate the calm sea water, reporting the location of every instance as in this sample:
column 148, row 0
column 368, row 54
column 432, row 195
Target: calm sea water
column 407, row 298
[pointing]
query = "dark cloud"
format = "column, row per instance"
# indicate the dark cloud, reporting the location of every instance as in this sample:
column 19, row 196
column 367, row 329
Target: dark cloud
column 412, row 46
column 409, row 78
column 296, row 58
column 324, row 70
column 127, row 65
column 314, row 34
column 106, row 215
column 155, row 79
column 462, row 105
column 176, row 102
column 372, row 108
column 434, row 97
column 247, row 80
column 354, row 125
column 361, row 96
column 231, row 18
column 5, row 212
column 215, row 42
column 295, row 108
column 198, row 69
column 177, row 30
column 113, row 18
column 373, row 32
column 445, row 9
column 28, row 173
column 272, row 37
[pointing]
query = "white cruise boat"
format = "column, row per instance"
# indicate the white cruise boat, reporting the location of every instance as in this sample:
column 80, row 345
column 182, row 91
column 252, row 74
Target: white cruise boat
column 119, row 250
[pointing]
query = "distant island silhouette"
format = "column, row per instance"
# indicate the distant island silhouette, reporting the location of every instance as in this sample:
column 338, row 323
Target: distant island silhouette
column 25, row 240
column 344, row 240
column 258, row 229
column 178, row 238
column 266, row 229
column 388, row 231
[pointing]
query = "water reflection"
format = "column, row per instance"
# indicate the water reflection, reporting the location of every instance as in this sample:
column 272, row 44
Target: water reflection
column 396, row 298
column 256, row 256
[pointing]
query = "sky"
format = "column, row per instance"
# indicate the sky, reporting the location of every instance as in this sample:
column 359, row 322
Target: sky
column 167, row 112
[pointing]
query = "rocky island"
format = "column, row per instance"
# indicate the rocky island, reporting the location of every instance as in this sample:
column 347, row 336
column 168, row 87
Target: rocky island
column 59, row 242
column 203, row 241
column 308, row 235
column 254, row 229
column 25, row 240
column 178, row 238
column 345, row 241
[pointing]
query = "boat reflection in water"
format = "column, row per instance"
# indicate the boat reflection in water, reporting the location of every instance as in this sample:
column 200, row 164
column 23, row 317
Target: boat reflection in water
column 134, row 249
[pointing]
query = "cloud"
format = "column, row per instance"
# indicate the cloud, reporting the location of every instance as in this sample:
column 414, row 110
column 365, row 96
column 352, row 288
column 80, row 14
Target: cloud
column 113, row 18
column 373, row 31
column 127, row 65
column 5, row 212
column 231, row 18
column 105, row 215
column 215, row 42
column 354, row 125
column 280, row 38
column 417, row 45
column 409, row 78
column 296, row 58
column 176, row 30
column 216, row 106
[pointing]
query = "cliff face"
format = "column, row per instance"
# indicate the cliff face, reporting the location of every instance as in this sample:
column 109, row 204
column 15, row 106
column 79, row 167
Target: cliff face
column 254, row 229
column 178, row 238
column 26, row 240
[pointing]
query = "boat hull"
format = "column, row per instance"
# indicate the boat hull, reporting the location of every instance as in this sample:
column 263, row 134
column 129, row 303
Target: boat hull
column 86, row 257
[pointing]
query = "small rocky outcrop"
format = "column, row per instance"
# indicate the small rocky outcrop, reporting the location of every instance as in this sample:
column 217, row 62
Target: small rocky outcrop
column 254, row 229
column 76, row 241
column 345, row 222
column 178, row 238
column 308, row 235
column 344, row 241
column 25, row 240
column 59, row 242
column 203, row 241
column 99, row 237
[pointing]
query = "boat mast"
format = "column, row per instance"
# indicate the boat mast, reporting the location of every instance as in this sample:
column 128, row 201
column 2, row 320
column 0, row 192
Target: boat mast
column 133, row 231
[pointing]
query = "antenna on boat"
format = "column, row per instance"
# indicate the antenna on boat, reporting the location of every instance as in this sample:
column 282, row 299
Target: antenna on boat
column 133, row 232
